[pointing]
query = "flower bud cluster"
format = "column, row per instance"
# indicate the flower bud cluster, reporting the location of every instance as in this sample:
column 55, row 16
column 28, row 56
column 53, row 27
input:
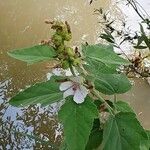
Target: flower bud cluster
column 67, row 55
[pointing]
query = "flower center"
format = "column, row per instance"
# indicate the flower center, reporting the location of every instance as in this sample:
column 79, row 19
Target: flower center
column 75, row 86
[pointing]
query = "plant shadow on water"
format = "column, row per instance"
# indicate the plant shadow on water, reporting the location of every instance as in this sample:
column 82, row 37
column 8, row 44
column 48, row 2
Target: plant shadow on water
column 35, row 120
column 19, row 127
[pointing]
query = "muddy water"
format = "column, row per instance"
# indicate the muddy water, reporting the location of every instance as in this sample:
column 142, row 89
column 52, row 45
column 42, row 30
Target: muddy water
column 22, row 25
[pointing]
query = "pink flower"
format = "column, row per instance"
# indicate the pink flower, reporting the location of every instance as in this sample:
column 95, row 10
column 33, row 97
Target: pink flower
column 74, row 87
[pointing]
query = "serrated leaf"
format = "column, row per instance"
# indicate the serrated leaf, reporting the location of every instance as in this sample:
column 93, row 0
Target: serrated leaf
column 44, row 93
column 123, row 107
column 96, row 136
column 123, row 132
column 104, row 54
column 33, row 54
column 77, row 121
column 112, row 83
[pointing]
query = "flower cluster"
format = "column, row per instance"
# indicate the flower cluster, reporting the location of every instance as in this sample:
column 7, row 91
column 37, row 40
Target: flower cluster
column 67, row 55
column 69, row 58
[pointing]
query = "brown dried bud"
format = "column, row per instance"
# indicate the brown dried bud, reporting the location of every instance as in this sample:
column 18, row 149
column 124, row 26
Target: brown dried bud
column 68, row 27
column 48, row 21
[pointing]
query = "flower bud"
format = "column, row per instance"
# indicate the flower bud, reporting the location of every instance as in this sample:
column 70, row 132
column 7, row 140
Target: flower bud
column 70, row 51
column 57, row 40
column 68, row 37
column 65, row 64
column 77, row 62
column 61, row 48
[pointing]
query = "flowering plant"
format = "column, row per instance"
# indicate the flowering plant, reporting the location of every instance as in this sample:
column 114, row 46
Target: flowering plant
column 89, row 120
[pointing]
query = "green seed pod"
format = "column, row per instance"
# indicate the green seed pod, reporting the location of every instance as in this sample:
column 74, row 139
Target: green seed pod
column 57, row 40
column 65, row 64
column 77, row 62
column 68, row 37
column 60, row 56
column 62, row 33
column 70, row 51
column 61, row 48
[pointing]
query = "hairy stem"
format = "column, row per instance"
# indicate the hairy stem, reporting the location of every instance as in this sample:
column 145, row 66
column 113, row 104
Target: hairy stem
column 96, row 93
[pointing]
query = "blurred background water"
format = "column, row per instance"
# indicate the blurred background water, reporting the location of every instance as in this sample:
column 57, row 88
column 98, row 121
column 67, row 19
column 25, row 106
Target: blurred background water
column 22, row 25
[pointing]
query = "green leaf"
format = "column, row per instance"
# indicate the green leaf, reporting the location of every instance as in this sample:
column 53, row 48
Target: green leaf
column 104, row 54
column 145, row 38
column 123, row 132
column 145, row 145
column 33, row 54
column 140, row 40
column 107, row 37
column 140, row 47
column 148, row 134
column 63, row 146
column 44, row 93
column 77, row 121
column 95, row 67
column 112, row 83
column 123, row 107
column 96, row 136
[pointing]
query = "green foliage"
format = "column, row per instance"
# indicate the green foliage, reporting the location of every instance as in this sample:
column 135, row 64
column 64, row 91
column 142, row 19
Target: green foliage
column 85, row 125
column 77, row 122
column 33, row 54
column 44, row 93
column 112, row 83
column 123, row 132
column 144, row 37
column 102, row 65
column 145, row 144
column 108, row 37
column 148, row 134
column 96, row 136
column 123, row 106
column 95, row 67
column 104, row 54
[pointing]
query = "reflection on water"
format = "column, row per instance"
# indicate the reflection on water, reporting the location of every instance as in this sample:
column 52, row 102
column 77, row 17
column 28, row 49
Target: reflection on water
column 21, row 25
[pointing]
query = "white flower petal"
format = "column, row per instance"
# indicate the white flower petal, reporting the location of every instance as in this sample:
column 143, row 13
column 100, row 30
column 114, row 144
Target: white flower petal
column 84, row 90
column 77, row 79
column 58, row 71
column 68, row 92
column 65, row 85
column 68, row 72
column 49, row 75
column 80, row 95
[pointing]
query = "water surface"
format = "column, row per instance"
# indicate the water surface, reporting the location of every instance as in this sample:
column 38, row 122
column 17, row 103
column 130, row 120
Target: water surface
column 22, row 25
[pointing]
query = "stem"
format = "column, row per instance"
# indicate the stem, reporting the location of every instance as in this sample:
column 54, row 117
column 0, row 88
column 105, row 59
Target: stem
column 96, row 93
column 115, row 98
column 134, row 4
column 72, row 70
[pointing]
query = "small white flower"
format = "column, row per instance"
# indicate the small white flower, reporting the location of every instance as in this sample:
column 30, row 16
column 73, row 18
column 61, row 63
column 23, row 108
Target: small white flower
column 49, row 75
column 75, row 88
column 58, row 72
column 63, row 72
